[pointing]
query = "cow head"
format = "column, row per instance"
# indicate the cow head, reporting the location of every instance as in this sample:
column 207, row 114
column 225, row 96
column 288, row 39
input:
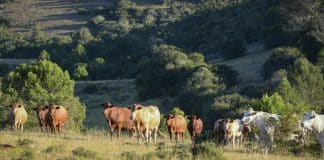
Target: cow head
column 168, row 118
column 52, row 108
column 16, row 105
column 107, row 107
column 41, row 111
column 227, row 124
column 308, row 120
column 248, row 116
column 134, row 110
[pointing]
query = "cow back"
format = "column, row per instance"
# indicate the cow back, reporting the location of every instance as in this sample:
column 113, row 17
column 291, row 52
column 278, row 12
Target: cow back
column 148, row 116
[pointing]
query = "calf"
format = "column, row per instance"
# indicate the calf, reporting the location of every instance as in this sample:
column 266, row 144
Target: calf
column 176, row 125
column 195, row 127
column 118, row 117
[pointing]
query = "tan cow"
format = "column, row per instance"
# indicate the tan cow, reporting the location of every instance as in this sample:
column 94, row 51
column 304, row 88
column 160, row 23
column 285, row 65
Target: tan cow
column 41, row 112
column 17, row 116
column 195, row 127
column 56, row 117
column 176, row 125
column 147, row 119
column 118, row 117
column 233, row 131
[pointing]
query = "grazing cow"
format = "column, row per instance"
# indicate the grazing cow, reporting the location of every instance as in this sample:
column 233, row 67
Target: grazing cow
column 147, row 119
column 41, row 112
column 219, row 130
column 266, row 123
column 56, row 117
column 17, row 116
column 195, row 127
column 176, row 125
column 118, row 117
column 315, row 122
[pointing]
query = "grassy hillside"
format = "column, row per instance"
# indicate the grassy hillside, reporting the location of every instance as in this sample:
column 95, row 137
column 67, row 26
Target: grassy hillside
column 249, row 67
column 54, row 17
column 95, row 145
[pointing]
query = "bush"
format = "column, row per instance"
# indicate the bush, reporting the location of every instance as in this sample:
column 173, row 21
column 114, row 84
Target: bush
column 97, row 20
column 177, row 111
column 83, row 152
column 24, row 142
column 208, row 150
column 90, row 89
column 54, row 149
column 281, row 58
column 27, row 154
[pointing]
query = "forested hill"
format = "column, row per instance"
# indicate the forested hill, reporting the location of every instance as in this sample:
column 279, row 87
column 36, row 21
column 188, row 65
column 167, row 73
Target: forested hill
column 213, row 58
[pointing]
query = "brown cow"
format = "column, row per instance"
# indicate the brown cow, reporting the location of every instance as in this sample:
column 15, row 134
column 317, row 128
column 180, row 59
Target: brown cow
column 195, row 127
column 17, row 116
column 120, row 118
column 176, row 125
column 41, row 112
column 56, row 117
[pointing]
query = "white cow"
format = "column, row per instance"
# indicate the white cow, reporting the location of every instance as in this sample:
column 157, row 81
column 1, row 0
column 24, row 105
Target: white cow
column 315, row 122
column 265, row 123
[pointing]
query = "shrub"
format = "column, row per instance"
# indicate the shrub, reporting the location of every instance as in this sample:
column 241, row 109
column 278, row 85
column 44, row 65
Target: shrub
column 83, row 152
column 27, row 154
column 177, row 111
column 54, row 149
column 24, row 142
column 98, row 20
column 208, row 150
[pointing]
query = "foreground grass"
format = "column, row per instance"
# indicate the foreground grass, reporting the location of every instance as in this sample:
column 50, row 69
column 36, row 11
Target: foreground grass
column 96, row 145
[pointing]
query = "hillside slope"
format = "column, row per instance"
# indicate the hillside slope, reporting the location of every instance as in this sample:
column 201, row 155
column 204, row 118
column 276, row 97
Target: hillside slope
column 54, row 17
column 249, row 67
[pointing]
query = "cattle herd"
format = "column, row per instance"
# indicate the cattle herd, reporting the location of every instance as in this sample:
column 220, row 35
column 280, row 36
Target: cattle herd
column 143, row 122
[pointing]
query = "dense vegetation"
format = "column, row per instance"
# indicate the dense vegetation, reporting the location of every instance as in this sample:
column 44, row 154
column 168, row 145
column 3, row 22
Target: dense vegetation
column 165, row 45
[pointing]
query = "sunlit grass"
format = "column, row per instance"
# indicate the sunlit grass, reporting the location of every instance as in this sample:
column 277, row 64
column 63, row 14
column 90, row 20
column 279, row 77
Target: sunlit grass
column 96, row 143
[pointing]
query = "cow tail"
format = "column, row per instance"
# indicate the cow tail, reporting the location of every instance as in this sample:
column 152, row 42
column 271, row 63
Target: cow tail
column 161, row 134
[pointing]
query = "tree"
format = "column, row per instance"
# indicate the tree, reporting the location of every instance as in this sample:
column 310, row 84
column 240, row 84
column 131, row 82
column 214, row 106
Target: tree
column 281, row 58
column 83, row 36
column 44, row 55
column 40, row 83
column 81, row 73
column 79, row 52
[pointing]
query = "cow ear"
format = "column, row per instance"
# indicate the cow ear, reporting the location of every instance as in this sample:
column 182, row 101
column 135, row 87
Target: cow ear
column 197, row 117
column 231, row 120
column 58, row 107
column 35, row 109
column 129, row 108
column 172, row 116
column 140, row 107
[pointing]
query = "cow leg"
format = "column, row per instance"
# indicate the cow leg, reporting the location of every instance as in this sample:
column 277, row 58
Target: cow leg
column 146, row 134
column 118, row 132
column 155, row 134
column 112, row 128
column 182, row 134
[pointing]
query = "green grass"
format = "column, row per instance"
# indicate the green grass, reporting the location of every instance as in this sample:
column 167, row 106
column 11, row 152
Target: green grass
column 96, row 144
